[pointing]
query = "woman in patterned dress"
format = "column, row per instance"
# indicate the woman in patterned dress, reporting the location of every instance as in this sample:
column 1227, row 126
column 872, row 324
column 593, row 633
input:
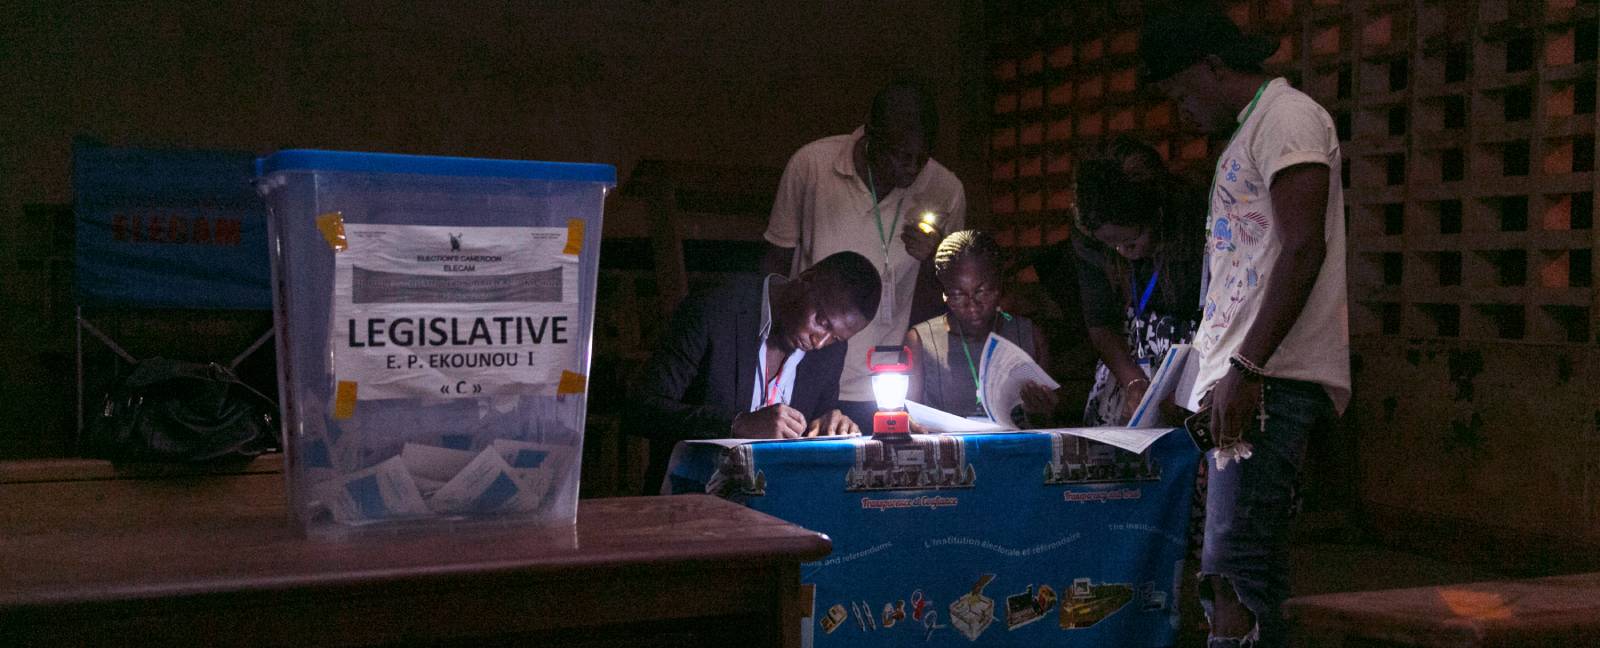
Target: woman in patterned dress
column 1139, row 271
column 1139, row 267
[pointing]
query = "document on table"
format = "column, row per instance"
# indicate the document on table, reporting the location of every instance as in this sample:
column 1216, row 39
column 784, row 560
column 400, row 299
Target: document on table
column 1135, row 440
column 936, row 420
column 1004, row 370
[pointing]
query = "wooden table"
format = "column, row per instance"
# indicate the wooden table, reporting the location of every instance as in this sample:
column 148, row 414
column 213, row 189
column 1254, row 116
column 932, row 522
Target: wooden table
column 213, row 560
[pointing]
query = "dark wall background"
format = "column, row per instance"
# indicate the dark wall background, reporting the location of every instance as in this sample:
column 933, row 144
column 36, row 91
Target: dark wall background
column 1467, row 132
column 615, row 82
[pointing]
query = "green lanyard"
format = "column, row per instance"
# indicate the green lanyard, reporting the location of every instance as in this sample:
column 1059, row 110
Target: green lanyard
column 978, row 391
column 1218, row 172
column 883, row 235
column 971, row 366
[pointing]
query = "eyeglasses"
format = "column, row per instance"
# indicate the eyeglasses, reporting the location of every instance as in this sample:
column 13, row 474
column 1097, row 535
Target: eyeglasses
column 983, row 294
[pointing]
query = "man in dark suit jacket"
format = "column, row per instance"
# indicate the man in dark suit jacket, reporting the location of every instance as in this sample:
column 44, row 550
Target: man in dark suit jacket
column 757, row 359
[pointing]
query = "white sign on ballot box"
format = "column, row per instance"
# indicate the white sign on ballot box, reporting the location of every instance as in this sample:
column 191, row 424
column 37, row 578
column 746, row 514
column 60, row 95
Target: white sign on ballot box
column 429, row 311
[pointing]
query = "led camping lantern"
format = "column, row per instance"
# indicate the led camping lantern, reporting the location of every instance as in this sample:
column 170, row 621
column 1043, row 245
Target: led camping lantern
column 891, row 377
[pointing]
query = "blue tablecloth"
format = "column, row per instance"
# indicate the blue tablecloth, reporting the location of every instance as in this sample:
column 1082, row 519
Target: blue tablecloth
column 1019, row 539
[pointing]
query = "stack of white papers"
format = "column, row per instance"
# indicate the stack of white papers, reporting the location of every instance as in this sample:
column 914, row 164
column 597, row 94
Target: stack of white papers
column 1128, row 438
column 505, row 477
column 1006, row 368
column 936, row 420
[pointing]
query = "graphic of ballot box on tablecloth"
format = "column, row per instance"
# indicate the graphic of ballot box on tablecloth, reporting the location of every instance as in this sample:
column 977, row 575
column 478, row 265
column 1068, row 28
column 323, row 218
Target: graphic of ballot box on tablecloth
column 433, row 320
column 972, row 612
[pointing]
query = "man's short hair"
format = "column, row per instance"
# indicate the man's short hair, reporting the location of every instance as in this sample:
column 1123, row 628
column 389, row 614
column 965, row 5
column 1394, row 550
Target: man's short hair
column 879, row 117
column 1186, row 32
column 856, row 276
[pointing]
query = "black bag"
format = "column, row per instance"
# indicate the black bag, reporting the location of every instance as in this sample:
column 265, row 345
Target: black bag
column 174, row 411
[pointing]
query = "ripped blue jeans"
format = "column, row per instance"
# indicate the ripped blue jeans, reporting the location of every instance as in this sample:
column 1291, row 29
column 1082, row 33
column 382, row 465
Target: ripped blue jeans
column 1248, row 509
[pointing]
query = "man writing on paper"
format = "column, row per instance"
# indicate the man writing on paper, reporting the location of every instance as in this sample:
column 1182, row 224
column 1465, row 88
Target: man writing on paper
column 757, row 359
column 1273, row 341
column 866, row 192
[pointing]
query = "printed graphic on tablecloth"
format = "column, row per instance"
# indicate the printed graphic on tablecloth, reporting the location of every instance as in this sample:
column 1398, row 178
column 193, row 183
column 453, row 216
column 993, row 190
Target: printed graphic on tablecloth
column 916, row 616
column 835, row 616
column 1087, row 603
column 922, row 462
column 1028, row 606
column 1083, row 605
column 1150, row 598
column 973, row 612
column 736, row 477
column 1076, row 460
column 453, row 311
column 893, row 613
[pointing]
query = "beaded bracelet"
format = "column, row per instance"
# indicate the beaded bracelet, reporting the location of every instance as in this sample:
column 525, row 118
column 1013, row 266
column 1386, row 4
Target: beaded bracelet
column 1246, row 367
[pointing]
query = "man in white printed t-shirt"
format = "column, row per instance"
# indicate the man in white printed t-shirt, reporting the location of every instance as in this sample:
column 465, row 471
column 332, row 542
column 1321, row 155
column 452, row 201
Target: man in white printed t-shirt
column 865, row 192
column 1274, row 339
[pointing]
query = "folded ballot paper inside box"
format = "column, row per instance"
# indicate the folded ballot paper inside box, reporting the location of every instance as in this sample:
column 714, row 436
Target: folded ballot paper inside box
column 507, row 477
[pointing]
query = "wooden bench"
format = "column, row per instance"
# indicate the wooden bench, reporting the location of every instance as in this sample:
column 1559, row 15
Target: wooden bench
column 89, row 556
column 1559, row 611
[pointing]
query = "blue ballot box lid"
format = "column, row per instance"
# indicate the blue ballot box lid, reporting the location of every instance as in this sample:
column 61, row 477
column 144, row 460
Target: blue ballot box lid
column 348, row 161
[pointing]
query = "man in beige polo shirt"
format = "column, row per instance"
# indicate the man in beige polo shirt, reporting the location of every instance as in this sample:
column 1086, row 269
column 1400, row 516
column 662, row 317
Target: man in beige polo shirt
column 864, row 192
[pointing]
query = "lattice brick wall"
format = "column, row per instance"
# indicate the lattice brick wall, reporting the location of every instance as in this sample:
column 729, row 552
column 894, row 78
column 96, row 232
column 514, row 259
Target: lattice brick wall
column 1469, row 143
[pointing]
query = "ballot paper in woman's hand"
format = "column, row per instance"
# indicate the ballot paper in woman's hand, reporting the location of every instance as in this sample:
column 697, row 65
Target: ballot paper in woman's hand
column 1004, row 371
column 1173, row 380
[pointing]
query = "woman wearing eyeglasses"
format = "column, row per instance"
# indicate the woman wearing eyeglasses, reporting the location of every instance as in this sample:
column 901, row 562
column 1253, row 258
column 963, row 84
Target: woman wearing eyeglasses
column 1138, row 270
column 948, row 348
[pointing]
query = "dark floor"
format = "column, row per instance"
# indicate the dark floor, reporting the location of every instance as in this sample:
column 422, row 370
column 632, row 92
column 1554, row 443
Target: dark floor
column 1332, row 556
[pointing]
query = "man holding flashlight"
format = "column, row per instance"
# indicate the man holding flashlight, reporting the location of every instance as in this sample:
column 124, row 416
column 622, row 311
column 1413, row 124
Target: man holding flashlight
column 758, row 358
column 875, row 192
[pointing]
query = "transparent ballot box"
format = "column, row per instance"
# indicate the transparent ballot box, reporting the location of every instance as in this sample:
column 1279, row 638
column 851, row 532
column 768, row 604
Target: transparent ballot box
column 433, row 321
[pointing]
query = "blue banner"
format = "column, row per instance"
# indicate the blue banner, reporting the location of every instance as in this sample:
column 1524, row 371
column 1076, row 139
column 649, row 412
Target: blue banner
column 1020, row 539
column 169, row 229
